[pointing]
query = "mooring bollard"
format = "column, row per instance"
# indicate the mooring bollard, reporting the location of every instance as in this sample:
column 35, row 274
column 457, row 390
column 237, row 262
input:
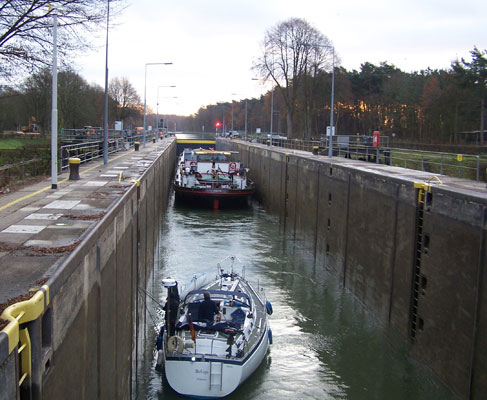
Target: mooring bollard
column 136, row 146
column 74, row 169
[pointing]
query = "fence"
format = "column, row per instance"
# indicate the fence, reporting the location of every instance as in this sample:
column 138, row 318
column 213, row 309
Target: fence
column 19, row 171
column 466, row 166
column 89, row 150
column 86, row 149
column 459, row 165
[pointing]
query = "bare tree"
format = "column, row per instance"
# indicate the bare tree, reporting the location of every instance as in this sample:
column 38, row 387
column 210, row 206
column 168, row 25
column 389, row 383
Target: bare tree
column 125, row 96
column 26, row 31
column 291, row 50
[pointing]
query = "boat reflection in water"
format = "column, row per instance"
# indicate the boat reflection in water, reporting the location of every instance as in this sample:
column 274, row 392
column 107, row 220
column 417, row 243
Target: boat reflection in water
column 211, row 178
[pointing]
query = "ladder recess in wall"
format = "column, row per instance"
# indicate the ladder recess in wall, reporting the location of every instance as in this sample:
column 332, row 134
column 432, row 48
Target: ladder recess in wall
column 416, row 322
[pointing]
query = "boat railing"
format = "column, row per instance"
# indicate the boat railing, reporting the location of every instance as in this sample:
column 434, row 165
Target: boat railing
column 256, row 294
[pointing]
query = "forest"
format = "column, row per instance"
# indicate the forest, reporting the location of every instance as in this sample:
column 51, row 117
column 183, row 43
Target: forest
column 430, row 106
column 297, row 64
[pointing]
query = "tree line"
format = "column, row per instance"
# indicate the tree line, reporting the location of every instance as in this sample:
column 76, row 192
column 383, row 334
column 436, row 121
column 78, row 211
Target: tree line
column 297, row 62
column 79, row 103
column 432, row 106
column 428, row 106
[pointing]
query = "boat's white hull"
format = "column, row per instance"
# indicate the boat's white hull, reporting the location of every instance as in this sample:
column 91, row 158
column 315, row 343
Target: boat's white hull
column 203, row 380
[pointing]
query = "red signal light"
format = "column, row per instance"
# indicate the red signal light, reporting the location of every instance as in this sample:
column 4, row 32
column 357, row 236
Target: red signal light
column 217, row 124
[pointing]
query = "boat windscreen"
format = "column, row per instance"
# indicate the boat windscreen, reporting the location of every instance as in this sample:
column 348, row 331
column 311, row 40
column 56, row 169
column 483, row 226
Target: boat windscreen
column 212, row 157
column 218, row 295
column 189, row 155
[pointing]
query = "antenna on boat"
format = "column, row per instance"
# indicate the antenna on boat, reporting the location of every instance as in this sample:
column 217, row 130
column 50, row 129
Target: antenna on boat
column 233, row 261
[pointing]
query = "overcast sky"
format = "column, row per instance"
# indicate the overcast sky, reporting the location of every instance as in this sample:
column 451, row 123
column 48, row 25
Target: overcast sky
column 213, row 43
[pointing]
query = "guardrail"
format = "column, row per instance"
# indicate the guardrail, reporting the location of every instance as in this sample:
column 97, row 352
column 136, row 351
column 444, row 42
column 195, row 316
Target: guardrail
column 20, row 170
column 460, row 165
column 466, row 166
column 89, row 150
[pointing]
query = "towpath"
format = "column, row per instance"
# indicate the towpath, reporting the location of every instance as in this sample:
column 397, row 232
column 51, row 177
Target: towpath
column 40, row 226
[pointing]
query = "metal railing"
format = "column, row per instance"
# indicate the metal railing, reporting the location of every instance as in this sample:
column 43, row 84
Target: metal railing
column 466, row 166
column 90, row 150
column 457, row 165
column 295, row 144
column 20, row 170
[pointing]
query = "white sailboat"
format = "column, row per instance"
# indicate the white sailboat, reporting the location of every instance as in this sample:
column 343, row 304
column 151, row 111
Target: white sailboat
column 210, row 358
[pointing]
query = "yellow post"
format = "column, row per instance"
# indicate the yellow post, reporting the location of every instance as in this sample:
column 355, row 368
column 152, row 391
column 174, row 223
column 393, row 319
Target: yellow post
column 74, row 169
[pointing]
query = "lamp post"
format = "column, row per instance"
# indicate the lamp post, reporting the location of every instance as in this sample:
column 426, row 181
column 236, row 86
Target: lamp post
column 278, row 122
column 54, row 111
column 105, row 122
column 223, row 121
column 272, row 102
column 332, row 126
column 232, row 116
column 272, row 110
column 157, row 107
column 233, row 94
column 246, row 114
column 167, row 123
column 245, row 119
column 145, row 96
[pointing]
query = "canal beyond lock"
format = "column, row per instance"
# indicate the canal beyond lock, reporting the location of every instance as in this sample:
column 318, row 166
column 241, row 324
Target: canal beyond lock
column 326, row 346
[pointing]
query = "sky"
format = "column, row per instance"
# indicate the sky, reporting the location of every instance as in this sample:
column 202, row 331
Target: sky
column 212, row 44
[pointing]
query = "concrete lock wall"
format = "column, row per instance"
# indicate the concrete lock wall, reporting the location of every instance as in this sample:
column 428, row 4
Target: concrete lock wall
column 87, row 341
column 98, row 313
column 363, row 227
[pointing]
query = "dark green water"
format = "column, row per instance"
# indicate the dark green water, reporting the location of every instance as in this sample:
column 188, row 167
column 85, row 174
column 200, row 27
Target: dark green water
column 325, row 345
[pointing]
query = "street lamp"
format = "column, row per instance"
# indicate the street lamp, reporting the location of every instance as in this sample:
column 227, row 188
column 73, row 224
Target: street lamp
column 145, row 95
column 157, row 107
column 167, row 122
column 233, row 94
column 278, row 122
column 272, row 101
column 54, row 111
column 105, row 122
column 272, row 110
column 332, row 127
column 246, row 114
column 232, row 112
column 223, row 120
column 245, row 119
column 272, row 105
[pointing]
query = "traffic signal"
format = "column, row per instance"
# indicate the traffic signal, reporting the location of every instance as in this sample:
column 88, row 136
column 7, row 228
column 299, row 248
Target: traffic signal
column 217, row 124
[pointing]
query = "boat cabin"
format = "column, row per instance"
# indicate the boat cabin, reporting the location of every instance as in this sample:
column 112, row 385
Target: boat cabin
column 234, row 308
column 210, row 169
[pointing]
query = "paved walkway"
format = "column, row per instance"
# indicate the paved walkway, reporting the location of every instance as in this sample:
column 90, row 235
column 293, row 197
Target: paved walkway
column 459, row 185
column 40, row 226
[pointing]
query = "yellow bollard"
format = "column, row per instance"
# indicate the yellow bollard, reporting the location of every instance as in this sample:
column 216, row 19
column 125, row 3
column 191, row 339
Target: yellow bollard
column 74, row 169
